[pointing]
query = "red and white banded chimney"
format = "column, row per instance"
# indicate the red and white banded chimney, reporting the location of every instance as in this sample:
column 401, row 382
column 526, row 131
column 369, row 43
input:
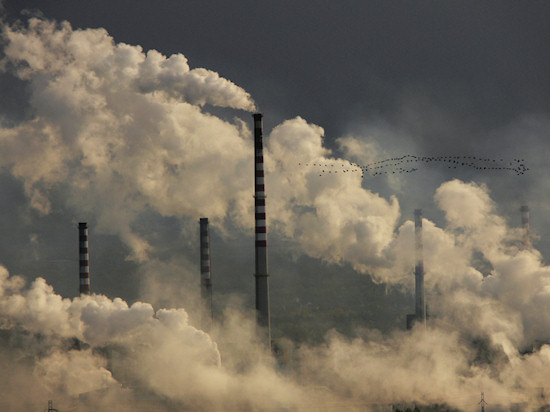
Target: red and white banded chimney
column 261, row 275
column 84, row 258
column 206, row 275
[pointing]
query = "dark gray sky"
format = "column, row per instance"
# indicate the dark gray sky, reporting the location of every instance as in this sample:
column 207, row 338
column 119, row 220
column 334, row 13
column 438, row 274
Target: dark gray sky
column 483, row 64
column 449, row 78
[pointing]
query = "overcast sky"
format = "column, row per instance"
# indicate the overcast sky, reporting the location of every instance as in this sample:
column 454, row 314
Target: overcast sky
column 424, row 78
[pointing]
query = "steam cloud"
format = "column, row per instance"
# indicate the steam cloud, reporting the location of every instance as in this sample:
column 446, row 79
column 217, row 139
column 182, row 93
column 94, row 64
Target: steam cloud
column 130, row 122
column 113, row 131
column 117, row 132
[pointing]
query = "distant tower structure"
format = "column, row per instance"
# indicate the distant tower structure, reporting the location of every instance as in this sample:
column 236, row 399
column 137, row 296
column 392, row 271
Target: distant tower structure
column 482, row 402
column 206, row 275
column 419, row 301
column 84, row 258
column 419, row 304
column 50, row 407
column 525, row 224
column 262, row 274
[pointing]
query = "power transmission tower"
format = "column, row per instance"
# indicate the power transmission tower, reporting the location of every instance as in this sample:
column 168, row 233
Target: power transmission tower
column 482, row 402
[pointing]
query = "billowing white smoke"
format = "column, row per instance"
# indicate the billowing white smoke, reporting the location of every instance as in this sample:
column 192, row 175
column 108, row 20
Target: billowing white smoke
column 67, row 348
column 332, row 217
column 518, row 286
column 120, row 131
column 100, row 353
column 482, row 318
column 505, row 299
column 116, row 131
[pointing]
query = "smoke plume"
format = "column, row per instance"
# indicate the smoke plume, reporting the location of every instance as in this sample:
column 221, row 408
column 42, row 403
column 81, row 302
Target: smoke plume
column 115, row 132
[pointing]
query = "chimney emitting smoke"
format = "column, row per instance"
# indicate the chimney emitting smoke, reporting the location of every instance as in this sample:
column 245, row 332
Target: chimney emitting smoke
column 206, row 276
column 261, row 275
column 84, row 258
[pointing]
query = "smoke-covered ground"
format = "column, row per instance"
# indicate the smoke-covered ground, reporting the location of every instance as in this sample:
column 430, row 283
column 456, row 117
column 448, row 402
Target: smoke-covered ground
column 127, row 139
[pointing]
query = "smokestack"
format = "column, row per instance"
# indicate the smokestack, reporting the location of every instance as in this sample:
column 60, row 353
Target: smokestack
column 84, row 258
column 419, row 305
column 206, row 277
column 261, row 275
column 419, row 314
column 525, row 224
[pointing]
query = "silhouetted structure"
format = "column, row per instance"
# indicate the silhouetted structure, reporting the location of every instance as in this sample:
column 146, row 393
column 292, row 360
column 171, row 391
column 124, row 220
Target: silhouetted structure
column 261, row 275
column 482, row 402
column 206, row 275
column 84, row 258
column 525, row 224
column 419, row 304
column 419, row 301
column 50, row 407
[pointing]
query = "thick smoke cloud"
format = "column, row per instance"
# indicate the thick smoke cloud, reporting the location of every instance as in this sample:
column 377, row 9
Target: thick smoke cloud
column 107, row 131
column 96, row 352
column 333, row 218
column 93, row 343
column 119, row 132
column 479, row 275
column 483, row 317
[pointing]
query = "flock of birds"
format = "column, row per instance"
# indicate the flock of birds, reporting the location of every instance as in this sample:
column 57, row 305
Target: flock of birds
column 411, row 163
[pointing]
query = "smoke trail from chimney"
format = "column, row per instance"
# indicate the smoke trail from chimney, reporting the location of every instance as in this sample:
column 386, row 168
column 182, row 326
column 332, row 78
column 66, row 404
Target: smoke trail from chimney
column 84, row 258
column 206, row 276
column 262, row 275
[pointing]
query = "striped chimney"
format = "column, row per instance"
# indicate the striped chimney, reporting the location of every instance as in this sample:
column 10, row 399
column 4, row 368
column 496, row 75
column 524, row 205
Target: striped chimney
column 525, row 224
column 206, row 277
column 419, row 304
column 261, row 275
column 84, row 258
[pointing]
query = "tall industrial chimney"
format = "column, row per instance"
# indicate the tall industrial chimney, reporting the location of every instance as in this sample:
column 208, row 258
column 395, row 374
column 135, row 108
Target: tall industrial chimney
column 206, row 277
column 84, row 258
column 419, row 314
column 262, row 275
column 419, row 304
column 525, row 224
